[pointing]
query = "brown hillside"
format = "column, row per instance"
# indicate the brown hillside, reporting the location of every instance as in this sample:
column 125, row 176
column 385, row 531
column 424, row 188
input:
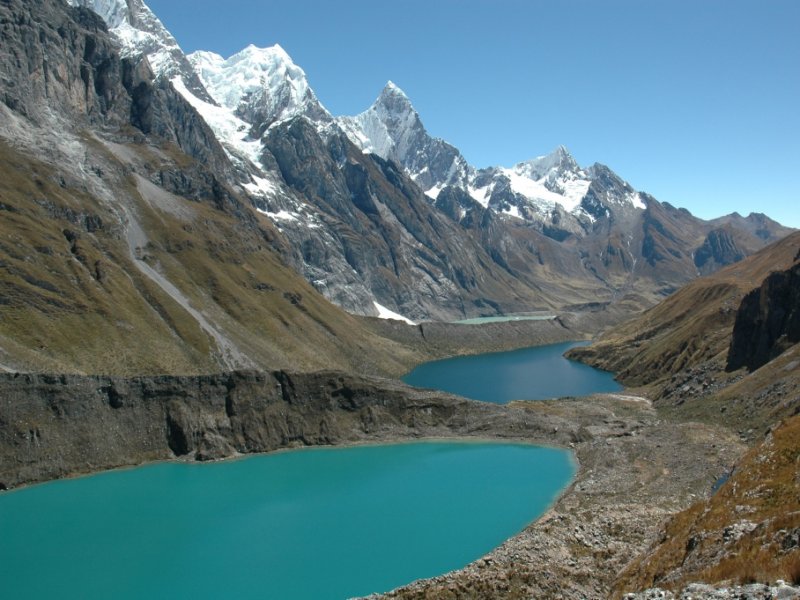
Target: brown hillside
column 748, row 531
column 690, row 327
column 74, row 296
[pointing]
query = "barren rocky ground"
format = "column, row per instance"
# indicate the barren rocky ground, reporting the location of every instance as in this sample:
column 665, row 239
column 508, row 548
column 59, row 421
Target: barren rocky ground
column 636, row 469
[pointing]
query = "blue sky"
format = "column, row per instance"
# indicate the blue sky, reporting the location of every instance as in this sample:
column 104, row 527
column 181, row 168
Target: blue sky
column 696, row 102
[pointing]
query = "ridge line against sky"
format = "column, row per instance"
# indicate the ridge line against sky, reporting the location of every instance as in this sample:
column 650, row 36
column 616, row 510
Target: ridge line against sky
column 695, row 102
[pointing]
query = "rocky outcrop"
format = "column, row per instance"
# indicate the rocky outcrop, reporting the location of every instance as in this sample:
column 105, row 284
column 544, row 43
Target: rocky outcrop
column 720, row 248
column 59, row 57
column 701, row 591
column 747, row 531
column 767, row 322
column 60, row 68
column 58, row 425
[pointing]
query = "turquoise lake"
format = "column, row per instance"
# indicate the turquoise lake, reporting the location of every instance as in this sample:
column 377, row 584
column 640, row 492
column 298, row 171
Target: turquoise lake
column 529, row 374
column 319, row 523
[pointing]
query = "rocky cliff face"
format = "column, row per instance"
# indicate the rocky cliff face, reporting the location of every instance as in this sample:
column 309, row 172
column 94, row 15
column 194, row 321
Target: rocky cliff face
column 139, row 34
column 60, row 58
column 365, row 225
column 720, row 248
column 767, row 322
column 62, row 70
column 61, row 425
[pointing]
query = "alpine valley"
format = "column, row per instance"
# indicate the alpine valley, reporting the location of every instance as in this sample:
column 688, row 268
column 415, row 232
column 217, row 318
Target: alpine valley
column 195, row 254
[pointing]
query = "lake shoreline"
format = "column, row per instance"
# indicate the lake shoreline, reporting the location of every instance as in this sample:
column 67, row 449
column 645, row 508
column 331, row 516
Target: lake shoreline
column 634, row 471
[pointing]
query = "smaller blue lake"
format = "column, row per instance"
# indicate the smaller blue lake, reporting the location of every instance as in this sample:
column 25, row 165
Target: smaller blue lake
column 529, row 374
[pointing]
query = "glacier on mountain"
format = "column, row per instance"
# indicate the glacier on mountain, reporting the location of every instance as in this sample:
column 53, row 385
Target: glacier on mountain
column 257, row 97
column 231, row 131
column 244, row 95
column 261, row 85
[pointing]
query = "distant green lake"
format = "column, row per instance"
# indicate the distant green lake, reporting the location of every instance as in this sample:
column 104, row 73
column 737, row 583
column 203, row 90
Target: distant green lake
column 503, row 319
column 320, row 523
column 528, row 374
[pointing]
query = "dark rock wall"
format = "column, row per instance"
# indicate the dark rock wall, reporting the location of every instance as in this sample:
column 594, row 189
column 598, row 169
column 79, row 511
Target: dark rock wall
column 720, row 248
column 61, row 63
column 768, row 321
column 56, row 56
column 407, row 253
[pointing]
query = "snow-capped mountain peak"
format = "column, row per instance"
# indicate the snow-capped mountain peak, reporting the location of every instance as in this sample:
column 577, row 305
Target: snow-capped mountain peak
column 391, row 90
column 535, row 190
column 392, row 129
column 389, row 127
column 547, row 187
column 554, row 178
column 262, row 85
column 559, row 160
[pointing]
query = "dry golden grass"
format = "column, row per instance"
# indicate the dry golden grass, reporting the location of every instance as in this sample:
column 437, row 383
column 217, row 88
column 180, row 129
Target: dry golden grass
column 761, row 500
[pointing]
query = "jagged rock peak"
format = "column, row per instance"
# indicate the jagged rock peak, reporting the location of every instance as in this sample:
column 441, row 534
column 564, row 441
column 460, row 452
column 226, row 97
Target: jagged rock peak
column 394, row 108
column 392, row 129
column 140, row 33
column 391, row 92
column 392, row 88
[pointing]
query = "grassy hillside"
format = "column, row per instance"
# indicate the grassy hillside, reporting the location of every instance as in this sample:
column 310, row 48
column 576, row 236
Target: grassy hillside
column 677, row 352
column 74, row 299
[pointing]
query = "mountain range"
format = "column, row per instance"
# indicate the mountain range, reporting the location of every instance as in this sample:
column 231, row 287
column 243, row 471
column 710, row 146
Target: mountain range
column 380, row 216
column 375, row 214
